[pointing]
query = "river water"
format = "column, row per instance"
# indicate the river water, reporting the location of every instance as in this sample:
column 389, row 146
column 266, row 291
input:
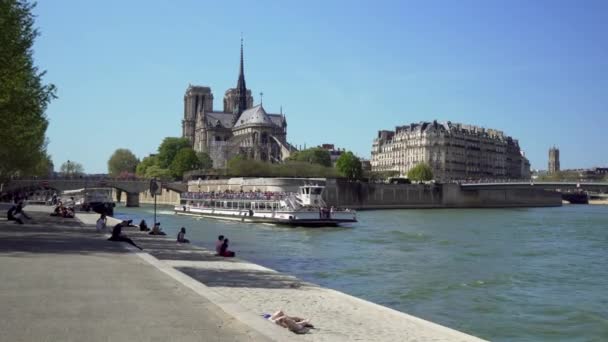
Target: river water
column 538, row 274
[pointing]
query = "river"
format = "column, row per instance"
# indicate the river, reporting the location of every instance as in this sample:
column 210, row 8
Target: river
column 538, row 274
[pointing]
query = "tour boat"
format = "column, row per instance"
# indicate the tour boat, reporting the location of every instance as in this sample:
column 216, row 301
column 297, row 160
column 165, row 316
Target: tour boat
column 97, row 199
column 305, row 208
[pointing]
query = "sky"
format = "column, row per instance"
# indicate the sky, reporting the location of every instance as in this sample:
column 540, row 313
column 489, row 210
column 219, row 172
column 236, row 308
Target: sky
column 341, row 70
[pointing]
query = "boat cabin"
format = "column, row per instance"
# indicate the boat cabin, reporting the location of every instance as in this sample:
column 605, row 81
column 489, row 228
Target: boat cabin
column 310, row 195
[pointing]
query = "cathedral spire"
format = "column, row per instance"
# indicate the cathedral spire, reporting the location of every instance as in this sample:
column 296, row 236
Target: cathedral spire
column 241, row 88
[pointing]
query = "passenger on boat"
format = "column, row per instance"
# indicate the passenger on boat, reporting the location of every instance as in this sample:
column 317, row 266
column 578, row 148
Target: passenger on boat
column 118, row 236
column 143, row 226
column 181, row 236
column 224, row 250
column 218, row 244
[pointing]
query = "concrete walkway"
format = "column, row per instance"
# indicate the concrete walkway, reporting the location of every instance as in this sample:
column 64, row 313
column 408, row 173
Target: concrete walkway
column 62, row 282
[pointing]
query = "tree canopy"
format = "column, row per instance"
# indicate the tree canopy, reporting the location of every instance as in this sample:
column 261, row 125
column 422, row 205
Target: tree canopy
column 71, row 168
column 24, row 96
column 315, row 155
column 205, row 161
column 241, row 167
column 349, row 165
column 185, row 160
column 122, row 160
column 143, row 166
column 420, row 172
column 168, row 150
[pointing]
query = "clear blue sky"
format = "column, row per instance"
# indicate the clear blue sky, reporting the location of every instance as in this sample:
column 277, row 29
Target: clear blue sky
column 538, row 70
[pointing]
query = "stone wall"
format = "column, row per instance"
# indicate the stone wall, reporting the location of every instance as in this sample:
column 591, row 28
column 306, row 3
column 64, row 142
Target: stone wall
column 356, row 195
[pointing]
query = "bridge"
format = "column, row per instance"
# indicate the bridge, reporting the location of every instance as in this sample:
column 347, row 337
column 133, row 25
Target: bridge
column 132, row 187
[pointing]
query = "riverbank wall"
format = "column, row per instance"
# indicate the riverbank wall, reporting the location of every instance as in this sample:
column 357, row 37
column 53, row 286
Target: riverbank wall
column 358, row 195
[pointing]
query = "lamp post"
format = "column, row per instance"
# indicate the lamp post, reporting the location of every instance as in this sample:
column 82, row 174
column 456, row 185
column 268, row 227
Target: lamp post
column 68, row 171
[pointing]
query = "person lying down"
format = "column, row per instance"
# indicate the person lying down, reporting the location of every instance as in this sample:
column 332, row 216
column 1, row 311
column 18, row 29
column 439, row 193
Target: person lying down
column 295, row 324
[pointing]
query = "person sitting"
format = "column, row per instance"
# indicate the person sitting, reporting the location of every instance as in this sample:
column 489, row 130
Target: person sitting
column 143, row 226
column 101, row 223
column 118, row 236
column 218, row 244
column 181, row 236
column 224, row 250
column 156, row 230
column 16, row 213
column 69, row 213
column 295, row 324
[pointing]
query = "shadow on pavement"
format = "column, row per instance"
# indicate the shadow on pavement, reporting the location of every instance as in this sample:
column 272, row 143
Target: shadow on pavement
column 243, row 278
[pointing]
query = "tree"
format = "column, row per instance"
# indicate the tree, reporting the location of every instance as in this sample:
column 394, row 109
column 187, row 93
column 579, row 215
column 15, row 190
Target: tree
column 205, row 160
column 349, row 165
column 143, row 166
column 23, row 95
column 168, row 150
column 185, row 160
column 315, row 155
column 420, row 172
column 71, row 168
column 155, row 171
column 123, row 160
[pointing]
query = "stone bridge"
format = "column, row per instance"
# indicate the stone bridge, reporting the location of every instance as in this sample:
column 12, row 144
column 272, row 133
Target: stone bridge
column 132, row 187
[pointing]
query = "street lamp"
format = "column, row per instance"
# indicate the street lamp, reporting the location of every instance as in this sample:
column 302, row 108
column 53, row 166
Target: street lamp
column 68, row 168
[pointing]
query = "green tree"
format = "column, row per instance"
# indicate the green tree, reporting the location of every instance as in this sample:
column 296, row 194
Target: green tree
column 143, row 166
column 122, row 160
column 185, row 160
column 420, row 172
column 349, row 165
column 44, row 167
column 71, row 168
column 168, row 150
column 156, row 171
column 315, row 155
column 23, row 95
column 206, row 161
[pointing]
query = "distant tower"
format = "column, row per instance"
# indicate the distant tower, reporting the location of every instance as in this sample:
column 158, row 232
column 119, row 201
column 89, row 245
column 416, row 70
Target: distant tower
column 553, row 160
column 197, row 101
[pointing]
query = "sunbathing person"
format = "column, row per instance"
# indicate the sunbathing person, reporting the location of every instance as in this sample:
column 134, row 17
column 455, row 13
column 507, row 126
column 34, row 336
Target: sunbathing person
column 156, row 230
column 100, row 225
column 118, row 236
column 143, row 226
column 218, row 244
column 181, row 236
column 296, row 324
column 224, row 250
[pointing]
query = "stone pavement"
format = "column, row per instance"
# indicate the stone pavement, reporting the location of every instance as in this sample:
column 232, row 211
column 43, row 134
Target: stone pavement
column 60, row 281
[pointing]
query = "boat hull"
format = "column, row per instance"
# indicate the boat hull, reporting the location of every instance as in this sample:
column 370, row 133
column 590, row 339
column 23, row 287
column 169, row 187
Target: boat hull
column 301, row 219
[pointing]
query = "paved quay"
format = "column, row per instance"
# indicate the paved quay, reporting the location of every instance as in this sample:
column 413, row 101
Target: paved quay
column 180, row 291
column 60, row 281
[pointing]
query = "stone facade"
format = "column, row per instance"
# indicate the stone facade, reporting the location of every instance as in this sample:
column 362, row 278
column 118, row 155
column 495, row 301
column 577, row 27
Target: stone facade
column 241, row 128
column 454, row 151
column 553, row 160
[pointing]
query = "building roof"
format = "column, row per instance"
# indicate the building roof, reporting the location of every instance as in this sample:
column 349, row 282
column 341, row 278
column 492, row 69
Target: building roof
column 221, row 118
column 254, row 116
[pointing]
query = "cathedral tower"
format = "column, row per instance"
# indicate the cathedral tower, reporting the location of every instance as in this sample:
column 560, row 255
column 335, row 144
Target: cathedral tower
column 197, row 100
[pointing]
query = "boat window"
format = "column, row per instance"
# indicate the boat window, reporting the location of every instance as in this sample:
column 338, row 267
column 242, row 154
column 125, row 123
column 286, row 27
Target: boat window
column 317, row 191
column 307, row 190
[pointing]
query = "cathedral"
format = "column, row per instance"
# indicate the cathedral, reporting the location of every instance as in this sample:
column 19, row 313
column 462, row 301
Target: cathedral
column 240, row 129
